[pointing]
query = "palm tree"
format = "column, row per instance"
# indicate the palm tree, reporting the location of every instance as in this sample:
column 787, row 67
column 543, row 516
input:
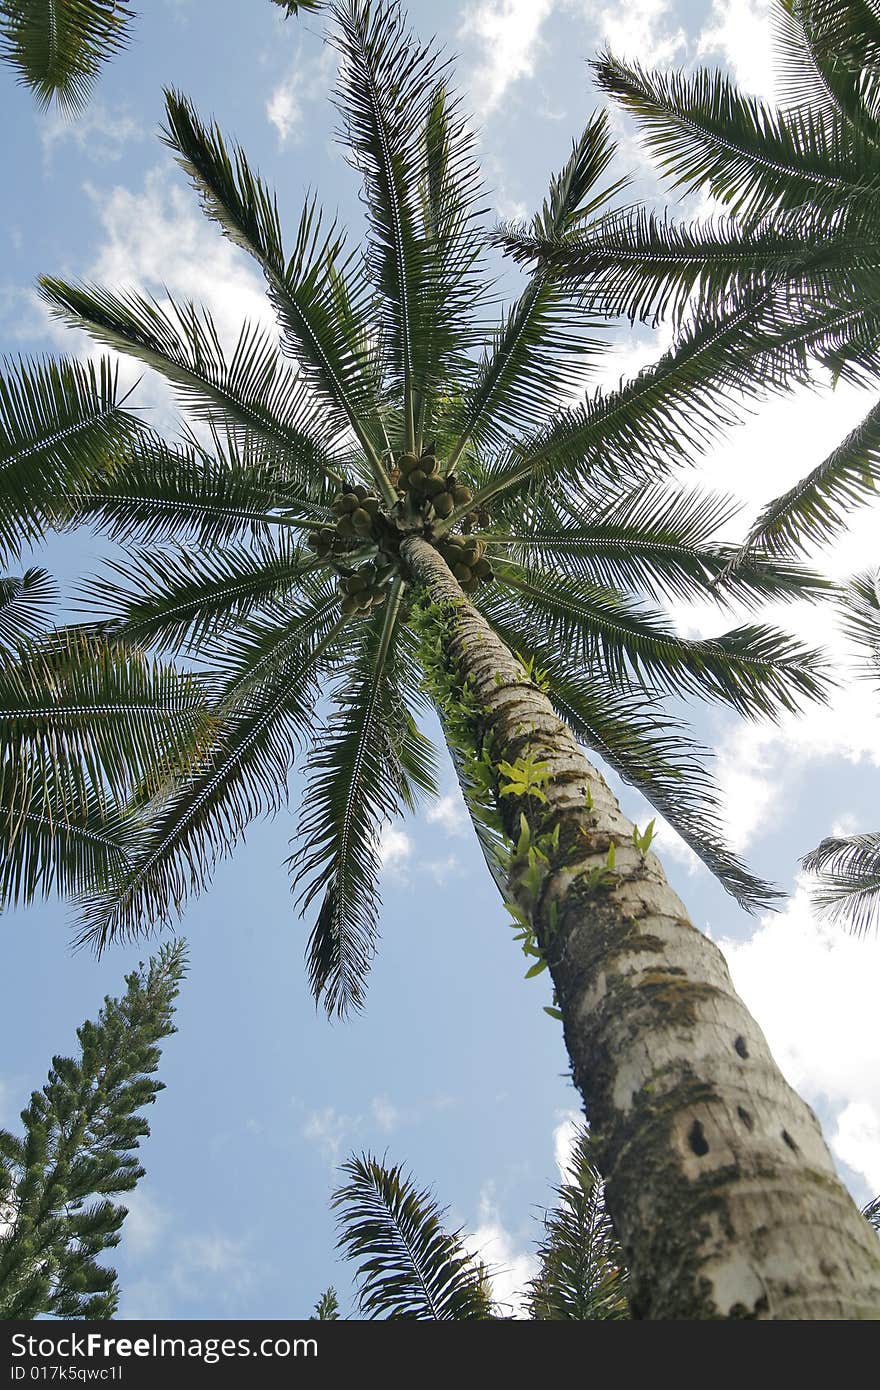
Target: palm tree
column 849, row 865
column 58, row 47
column 797, row 255
column 474, row 527
column 410, row 1266
column 84, row 723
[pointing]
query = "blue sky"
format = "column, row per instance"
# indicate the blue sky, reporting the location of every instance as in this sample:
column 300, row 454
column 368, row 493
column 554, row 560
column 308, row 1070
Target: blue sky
column 454, row 1068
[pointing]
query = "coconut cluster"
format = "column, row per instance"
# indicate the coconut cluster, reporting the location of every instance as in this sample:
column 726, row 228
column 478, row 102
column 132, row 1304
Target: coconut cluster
column 361, row 521
column 364, row 588
column 357, row 517
column 430, row 491
column 466, row 557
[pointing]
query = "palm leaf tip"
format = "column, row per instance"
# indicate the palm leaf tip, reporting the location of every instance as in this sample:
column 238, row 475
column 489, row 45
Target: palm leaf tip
column 366, row 767
column 58, row 47
column 408, row 1264
column 848, row 874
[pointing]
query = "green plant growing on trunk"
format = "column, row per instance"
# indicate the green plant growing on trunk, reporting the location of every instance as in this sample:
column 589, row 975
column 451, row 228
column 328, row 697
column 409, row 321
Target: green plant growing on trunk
column 405, row 456
column 58, row 47
column 81, row 1134
column 796, row 255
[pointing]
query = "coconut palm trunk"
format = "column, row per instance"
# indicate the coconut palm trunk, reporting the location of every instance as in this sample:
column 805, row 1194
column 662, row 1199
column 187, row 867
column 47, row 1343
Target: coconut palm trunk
column 721, row 1187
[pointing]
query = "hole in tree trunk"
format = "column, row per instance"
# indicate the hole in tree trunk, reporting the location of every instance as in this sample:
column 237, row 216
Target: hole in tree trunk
column 789, row 1141
column 745, row 1117
column 697, row 1140
column 740, row 1047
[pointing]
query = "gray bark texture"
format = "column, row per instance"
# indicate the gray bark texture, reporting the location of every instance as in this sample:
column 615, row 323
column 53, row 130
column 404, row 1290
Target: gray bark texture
column 721, row 1187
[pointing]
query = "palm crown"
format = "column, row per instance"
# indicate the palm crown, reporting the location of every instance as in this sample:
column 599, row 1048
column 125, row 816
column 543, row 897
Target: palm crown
column 387, row 409
column 796, row 258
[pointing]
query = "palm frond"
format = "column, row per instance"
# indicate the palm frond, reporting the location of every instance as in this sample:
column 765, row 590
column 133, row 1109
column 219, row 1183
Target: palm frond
column 754, row 157
column 454, row 282
column 87, row 720
column 409, row 1266
column 848, row 890
column 183, row 598
column 665, row 416
column 656, row 540
column 756, row 669
column 385, row 96
column 871, row 1212
column 365, row 767
column 541, row 350
column 59, row 46
column 248, row 390
column 638, row 265
column 158, row 491
column 61, row 424
column 48, row 849
column 861, row 620
column 582, row 1277
column 294, row 7
column 25, row 608
column 827, row 58
column 305, row 288
column 815, row 510
column 202, row 811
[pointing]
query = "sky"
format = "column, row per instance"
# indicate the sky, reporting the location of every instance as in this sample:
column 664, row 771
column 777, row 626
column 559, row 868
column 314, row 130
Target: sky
column 454, row 1069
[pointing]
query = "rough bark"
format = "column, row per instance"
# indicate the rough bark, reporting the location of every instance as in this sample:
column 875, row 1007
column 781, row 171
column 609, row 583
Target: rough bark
column 722, row 1190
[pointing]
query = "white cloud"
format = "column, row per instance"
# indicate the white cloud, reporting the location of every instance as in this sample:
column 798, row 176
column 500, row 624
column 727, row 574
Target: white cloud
column 450, row 812
column 812, row 989
column 639, row 30
column 565, row 1136
column 146, row 1222
column 509, row 35
column 307, row 80
column 395, row 850
column 857, row 1141
column 197, row 1266
column 284, row 108
column 510, row 1269
column 100, row 133
column 156, row 240
column 329, row 1130
column 159, row 237
column 386, row 1115
column 740, row 33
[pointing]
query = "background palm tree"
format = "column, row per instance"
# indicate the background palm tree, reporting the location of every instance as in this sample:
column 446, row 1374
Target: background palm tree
column 797, row 258
column 84, row 723
column 462, row 502
column 849, row 865
column 58, row 47
column 410, row 1266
